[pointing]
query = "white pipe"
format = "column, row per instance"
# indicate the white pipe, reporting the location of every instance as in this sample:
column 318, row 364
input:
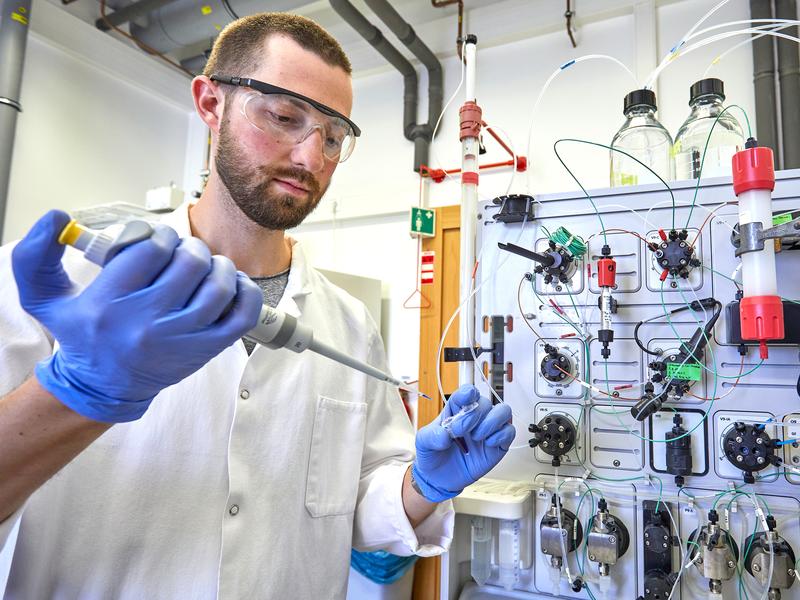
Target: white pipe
column 469, row 216
column 471, row 55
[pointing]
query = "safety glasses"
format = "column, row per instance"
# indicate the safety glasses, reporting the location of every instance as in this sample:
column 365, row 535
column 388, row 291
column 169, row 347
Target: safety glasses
column 292, row 117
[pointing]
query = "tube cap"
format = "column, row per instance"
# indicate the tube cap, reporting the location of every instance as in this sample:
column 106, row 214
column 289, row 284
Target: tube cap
column 706, row 87
column 753, row 169
column 606, row 272
column 639, row 97
column 761, row 319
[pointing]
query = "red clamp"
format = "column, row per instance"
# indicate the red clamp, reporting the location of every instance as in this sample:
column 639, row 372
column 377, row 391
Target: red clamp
column 470, row 115
column 438, row 175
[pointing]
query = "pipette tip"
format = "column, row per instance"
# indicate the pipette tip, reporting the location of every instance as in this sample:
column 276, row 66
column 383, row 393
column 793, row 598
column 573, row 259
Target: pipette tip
column 412, row 390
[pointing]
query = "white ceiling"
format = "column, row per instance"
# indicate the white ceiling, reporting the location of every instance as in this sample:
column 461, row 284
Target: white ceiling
column 494, row 21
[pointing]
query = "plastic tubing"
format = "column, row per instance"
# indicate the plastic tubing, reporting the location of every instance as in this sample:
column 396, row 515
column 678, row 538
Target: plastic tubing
column 777, row 27
column 704, row 18
column 679, row 49
column 735, row 47
column 711, row 40
column 546, row 85
column 464, row 302
column 441, row 116
column 765, row 23
column 694, row 27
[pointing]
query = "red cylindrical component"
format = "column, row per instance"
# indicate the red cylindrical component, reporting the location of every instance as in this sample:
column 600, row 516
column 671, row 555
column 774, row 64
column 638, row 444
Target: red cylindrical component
column 662, row 235
column 522, row 164
column 761, row 318
column 606, row 272
column 470, row 115
column 753, row 169
column 469, row 177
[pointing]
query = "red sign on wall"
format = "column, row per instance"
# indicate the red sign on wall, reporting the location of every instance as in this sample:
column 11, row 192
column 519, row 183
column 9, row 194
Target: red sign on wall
column 426, row 267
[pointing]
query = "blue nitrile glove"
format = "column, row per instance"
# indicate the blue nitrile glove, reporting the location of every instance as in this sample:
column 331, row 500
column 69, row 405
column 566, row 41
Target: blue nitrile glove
column 441, row 469
column 152, row 317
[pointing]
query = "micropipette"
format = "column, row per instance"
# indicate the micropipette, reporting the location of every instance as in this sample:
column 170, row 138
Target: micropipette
column 275, row 328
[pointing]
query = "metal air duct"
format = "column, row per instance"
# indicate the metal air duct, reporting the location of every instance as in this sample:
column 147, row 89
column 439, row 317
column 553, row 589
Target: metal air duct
column 789, row 78
column 764, row 79
column 183, row 22
column 14, row 19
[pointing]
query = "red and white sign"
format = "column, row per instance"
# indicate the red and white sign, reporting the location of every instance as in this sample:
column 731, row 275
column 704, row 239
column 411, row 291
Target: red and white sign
column 426, row 267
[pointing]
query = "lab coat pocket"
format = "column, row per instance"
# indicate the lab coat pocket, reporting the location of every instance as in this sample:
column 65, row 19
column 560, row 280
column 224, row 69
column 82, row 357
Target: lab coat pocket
column 334, row 464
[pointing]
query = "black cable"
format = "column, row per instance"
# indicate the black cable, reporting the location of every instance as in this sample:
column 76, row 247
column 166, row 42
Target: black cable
column 639, row 342
column 701, row 336
column 694, row 305
column 229, row 8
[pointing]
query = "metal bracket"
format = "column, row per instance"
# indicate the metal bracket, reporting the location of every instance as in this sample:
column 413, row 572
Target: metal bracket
column 752, row 235
column 463, row 354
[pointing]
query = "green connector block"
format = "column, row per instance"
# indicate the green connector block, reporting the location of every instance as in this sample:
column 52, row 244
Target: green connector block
column 689, row 371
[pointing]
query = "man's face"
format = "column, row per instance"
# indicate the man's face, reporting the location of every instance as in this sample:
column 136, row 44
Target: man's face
column 277, row 185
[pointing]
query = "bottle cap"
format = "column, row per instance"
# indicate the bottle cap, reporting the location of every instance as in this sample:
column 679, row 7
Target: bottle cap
column 639, row 98
column 706, row 87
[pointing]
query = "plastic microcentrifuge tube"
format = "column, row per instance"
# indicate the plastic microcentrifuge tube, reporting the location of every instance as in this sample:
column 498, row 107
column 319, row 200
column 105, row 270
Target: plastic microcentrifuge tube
column 448, row 423
column 508, row 555
column 481, row 562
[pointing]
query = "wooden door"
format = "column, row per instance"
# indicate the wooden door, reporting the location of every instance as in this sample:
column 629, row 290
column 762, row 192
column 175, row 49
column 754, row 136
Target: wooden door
column 443, row 294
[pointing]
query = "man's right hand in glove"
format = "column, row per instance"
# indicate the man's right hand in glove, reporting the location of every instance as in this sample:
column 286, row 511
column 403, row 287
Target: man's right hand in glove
column 153, row 316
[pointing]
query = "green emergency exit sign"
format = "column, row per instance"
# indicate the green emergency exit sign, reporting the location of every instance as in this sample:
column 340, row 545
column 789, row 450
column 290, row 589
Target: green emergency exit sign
column 423, row 222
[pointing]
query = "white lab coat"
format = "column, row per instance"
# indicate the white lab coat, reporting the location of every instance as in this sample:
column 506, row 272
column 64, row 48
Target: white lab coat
column 251, row 478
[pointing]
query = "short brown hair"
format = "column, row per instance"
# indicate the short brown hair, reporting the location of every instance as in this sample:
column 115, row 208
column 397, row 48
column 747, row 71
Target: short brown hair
column 239, row 47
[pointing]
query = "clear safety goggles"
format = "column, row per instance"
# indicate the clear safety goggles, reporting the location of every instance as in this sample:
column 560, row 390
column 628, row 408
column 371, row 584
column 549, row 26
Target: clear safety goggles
column 292, row 117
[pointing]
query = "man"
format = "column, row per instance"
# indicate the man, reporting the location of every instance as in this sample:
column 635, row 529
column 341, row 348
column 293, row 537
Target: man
column 152, row 454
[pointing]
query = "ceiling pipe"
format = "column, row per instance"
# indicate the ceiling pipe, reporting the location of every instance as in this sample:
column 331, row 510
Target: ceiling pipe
column 181, row 23
column 789, row 78
column 460, row 34
column 129, row 13
column 764, row 79
column 14, row 19
column 353, row 17
column 421, row 134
